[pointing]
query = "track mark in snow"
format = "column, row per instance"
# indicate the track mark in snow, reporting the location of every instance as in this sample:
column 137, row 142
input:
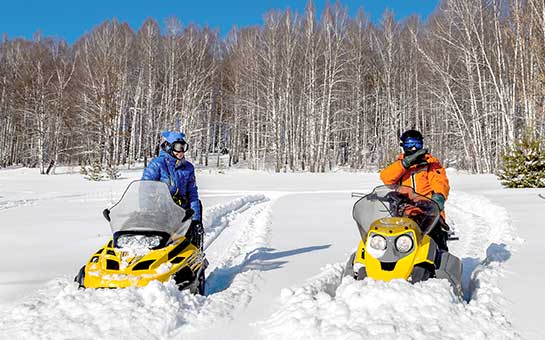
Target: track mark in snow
column 329, row 306
column 487, row 238
column 218, row 217
column 17, row 203
column 471, row 228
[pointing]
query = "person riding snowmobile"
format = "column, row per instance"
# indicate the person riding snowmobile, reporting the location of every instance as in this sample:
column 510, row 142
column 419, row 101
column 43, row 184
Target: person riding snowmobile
column 172, row 168
column 417, row 168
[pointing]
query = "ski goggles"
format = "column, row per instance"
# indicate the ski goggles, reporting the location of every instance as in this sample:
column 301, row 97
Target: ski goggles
column 180, row 146
column 410, row 143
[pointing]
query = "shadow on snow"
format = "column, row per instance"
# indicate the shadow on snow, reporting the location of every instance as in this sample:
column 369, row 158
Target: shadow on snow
column 260, row 259
column 473, row 266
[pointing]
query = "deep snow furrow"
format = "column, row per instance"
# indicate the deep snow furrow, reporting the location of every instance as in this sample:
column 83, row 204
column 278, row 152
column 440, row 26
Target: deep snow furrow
column 470, row 248
column 60, row 310
column 490, row 239
column 322, row 308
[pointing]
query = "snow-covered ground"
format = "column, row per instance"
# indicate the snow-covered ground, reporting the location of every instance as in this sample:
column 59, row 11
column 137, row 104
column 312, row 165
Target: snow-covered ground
column 276, row 245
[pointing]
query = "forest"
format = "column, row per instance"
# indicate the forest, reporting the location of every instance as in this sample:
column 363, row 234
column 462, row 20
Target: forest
column 300, row 92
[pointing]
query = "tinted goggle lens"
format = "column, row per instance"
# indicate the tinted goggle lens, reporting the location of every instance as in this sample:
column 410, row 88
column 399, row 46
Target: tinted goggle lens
column 179, row 146
column 413, row 143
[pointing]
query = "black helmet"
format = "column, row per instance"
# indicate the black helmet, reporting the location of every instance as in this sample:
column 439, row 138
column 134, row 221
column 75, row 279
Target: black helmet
column 411, row 134
column 411, row 141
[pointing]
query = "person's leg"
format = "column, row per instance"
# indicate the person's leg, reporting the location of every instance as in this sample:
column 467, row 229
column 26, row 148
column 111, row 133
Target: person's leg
column 195, row 233
column 440, row 235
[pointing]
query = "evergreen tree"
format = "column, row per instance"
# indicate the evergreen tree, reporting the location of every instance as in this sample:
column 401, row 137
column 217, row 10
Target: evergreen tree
column 94, row 173
column 113, row 172
column 523, row 165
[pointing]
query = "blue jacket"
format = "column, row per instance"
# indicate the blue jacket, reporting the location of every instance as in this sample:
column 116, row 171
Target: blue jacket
column 179, row 175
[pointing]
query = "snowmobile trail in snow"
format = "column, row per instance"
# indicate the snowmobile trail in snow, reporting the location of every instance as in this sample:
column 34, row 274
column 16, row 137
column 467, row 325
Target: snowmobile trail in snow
column 237, row 230
column 323, row 308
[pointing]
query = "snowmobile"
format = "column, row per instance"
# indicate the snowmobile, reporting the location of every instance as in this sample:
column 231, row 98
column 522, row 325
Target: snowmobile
column 394, row 223
column 148, row 243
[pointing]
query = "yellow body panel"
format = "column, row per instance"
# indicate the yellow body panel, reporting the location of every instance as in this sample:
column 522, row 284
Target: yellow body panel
column 161, row 268
column 404, row 265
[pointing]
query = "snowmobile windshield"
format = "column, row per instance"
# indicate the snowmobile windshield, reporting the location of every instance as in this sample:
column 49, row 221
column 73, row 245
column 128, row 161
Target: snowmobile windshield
column 395, row 201
column 147, row 206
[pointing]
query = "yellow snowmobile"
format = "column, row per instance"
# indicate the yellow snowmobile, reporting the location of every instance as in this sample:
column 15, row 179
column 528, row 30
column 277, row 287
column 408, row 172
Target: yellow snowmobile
column 394, row 223
column 148, row 243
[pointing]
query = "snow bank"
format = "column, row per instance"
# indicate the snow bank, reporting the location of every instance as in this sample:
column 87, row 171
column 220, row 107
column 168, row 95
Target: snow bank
column 62, row 311
column 371, row 309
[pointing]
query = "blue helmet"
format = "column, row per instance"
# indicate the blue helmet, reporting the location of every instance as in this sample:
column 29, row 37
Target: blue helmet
column 173, row 136
column 174, row 141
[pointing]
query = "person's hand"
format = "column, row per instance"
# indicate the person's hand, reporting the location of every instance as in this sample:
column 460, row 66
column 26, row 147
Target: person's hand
column 415, row 158
column 196, row 225
column 439, row 199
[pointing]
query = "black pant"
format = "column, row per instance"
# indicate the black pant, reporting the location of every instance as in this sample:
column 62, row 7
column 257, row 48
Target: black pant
column 439, row 234
column 195, row 233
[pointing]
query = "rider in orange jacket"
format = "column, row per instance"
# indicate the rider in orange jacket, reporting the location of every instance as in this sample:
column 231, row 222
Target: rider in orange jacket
column 417, row 168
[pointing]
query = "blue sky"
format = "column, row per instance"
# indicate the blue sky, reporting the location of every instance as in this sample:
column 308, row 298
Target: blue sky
column 70, row 19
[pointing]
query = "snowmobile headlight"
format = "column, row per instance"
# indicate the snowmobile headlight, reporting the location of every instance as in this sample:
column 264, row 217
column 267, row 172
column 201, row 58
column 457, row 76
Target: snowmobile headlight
column 377, row 242
column 404, row 243
column 138, row 241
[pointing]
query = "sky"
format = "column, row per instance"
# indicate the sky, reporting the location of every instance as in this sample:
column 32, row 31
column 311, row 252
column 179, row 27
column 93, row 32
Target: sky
column 71, row 19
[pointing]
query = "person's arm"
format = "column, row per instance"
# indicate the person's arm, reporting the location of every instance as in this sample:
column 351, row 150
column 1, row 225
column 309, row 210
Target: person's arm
column 193, row 194
column 437, row 177
column 152, row 172
column 392, row 173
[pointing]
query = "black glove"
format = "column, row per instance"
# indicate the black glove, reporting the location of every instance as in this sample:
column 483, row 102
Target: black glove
column 195, row 234
column 439, row 199
column 415, row 158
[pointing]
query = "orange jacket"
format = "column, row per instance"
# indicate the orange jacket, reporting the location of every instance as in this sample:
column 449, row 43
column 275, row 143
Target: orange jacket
column 425, row 179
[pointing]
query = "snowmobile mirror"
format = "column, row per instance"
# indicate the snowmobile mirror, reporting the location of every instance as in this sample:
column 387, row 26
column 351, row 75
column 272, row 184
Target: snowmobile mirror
column 106, row 214
column 188, row 214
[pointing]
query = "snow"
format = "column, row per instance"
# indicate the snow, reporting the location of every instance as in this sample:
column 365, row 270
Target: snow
column 277, row 244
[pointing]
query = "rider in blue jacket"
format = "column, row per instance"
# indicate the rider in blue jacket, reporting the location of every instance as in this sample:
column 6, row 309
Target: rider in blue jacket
column 172, row 168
